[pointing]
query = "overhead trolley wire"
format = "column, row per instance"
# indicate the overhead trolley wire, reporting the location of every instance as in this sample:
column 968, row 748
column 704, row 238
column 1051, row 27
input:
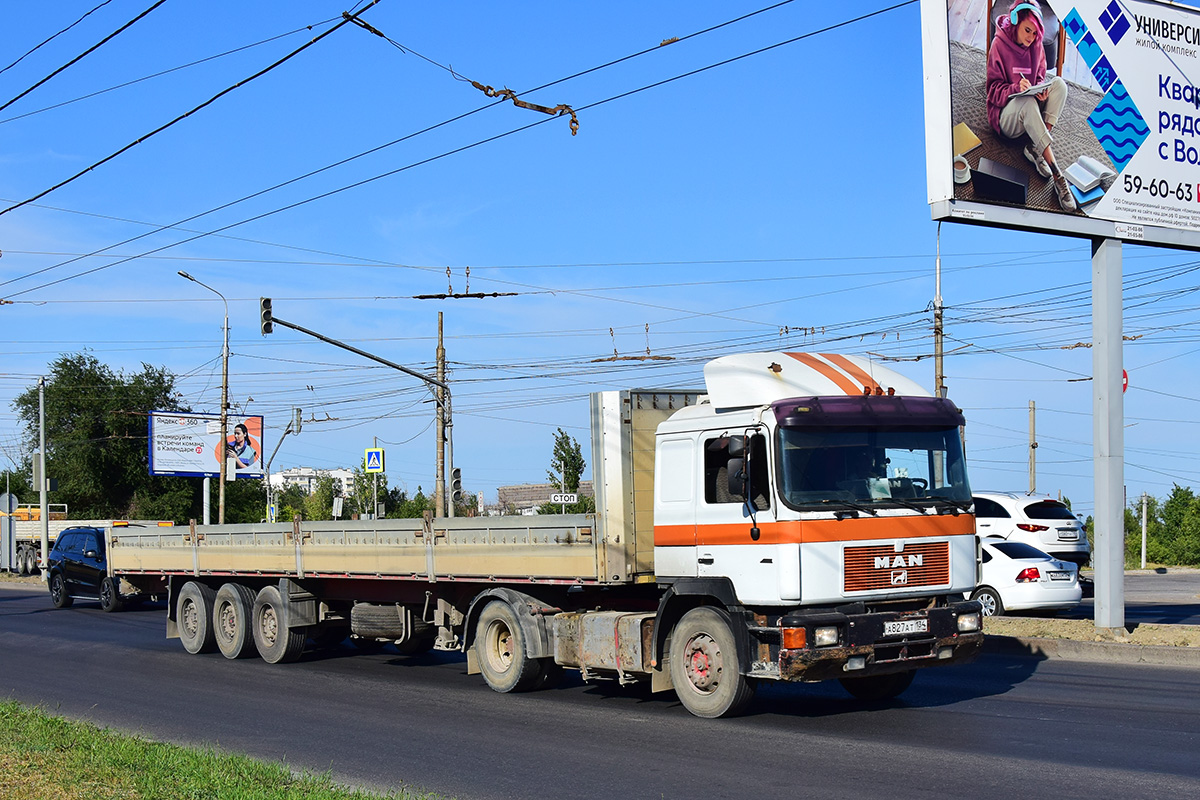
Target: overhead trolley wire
column 36, row 47
column 183, row 116
column 84, row 54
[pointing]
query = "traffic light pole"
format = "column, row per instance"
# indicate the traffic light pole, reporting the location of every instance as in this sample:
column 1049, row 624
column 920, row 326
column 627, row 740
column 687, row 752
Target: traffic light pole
column 269, row 320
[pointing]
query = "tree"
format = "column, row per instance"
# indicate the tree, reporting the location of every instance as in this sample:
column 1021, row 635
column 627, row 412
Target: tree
column 319, row 504
column 567, row 456
column 289, row 503
column 567, row 462
column 96, row 428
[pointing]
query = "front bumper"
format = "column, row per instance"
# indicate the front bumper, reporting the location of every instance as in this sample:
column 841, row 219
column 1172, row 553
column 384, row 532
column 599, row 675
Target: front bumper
column 865, row 649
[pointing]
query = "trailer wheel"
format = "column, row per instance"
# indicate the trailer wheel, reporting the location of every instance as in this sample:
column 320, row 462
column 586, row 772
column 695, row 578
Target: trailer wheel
column 705, row 667
column 110, row 596
column 502, row 652
column 232, row 611
column 194, row 613
column 58, row 592
column 276, row 643
column 878, row 687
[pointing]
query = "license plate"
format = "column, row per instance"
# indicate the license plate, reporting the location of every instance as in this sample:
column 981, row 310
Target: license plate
column 1057, row 575
column 1068, row 536
column 898, row 627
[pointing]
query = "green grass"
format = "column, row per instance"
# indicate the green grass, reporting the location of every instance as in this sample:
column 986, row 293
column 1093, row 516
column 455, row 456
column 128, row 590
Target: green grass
column 43, row 757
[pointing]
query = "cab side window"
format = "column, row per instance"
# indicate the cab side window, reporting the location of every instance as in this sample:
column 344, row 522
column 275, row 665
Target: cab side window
column 717, row 466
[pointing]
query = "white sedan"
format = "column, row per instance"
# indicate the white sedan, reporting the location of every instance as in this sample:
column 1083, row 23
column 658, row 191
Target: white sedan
column 1017, row 577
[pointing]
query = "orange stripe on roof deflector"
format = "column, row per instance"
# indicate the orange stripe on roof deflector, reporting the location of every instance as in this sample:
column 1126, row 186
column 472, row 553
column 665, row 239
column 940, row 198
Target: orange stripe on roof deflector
column 863, row 378
column 843, row 383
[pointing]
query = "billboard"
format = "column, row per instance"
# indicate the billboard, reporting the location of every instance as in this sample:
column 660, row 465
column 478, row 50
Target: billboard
column 190, row 444
column 1079, row 117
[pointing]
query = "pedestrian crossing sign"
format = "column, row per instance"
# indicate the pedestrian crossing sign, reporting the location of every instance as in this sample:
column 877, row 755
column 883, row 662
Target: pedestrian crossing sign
column 374, row 459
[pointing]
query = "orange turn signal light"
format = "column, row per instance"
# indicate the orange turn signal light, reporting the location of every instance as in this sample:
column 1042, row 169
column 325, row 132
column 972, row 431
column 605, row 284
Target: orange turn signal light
column 795, row 638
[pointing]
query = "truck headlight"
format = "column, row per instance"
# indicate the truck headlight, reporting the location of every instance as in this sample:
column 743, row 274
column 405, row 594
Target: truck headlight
column 969, row 623
column 825, row 636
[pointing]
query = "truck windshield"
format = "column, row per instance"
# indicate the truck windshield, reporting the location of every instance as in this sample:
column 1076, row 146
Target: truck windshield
column 820, row 467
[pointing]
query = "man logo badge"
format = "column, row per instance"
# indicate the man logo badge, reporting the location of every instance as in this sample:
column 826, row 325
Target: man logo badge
column 900, row 578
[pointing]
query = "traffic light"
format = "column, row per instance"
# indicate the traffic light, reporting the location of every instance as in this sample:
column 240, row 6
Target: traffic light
column 456, row 492
column 264, row 311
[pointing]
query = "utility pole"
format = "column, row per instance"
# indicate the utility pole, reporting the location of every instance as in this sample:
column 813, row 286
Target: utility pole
column 1144, row 500
column 45, row 506
column 1032, row 447
column 375, row 485
column 222, row 452
column 439, row 492
column 939, row 372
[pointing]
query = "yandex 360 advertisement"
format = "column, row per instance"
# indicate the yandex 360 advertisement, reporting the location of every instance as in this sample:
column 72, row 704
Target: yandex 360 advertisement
column 1083, row 109
column 190, row 444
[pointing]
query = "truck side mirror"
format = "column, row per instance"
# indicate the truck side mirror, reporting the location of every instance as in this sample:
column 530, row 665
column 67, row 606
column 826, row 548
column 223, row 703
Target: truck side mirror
column 736, row 474
column 737, row 446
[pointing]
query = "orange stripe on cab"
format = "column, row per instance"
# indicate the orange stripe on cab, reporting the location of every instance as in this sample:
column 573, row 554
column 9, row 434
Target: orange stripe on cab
column 815, row 530
column 853, row 370
column 843, row 383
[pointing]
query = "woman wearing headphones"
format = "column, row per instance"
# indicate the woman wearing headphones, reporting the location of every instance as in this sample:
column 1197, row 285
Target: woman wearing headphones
column 1015, row 65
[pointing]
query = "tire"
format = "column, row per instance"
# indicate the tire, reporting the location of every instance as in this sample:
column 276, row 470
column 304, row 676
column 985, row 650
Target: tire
column 110, row 595
column 232, row 612
column 705, row 666
column 276, row 644
column 193, row 616
column 22, row 562
column 58, row 592
column 502, row 651
column 878, row 687
column 989, row 598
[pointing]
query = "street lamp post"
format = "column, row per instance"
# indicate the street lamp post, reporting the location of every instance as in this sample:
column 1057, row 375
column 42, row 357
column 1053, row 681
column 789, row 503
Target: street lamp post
column 221, row 450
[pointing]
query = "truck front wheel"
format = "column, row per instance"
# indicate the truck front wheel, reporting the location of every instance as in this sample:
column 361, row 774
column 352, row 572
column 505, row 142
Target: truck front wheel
column 705, row 666
column 502, row 651
column 276, row 643
column 193, row 613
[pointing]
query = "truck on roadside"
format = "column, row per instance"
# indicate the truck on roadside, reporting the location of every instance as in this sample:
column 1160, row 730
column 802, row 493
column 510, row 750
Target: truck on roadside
column 805, row 518
column 27, row 533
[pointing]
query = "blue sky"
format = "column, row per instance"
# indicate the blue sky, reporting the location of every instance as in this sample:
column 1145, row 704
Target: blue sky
column 775, row 202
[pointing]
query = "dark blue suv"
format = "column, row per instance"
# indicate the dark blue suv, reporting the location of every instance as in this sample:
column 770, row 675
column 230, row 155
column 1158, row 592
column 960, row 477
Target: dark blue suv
column 78, row 568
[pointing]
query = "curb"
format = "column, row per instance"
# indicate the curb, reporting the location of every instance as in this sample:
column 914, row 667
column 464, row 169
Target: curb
column 1096, row 652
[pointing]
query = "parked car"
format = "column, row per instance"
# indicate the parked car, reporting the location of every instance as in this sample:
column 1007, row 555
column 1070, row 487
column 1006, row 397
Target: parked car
column 1041, row 522
column 78, row 568
column 1017, row 577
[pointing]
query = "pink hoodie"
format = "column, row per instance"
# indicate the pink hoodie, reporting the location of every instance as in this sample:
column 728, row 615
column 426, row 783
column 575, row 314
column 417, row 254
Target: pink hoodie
column 1008, row 62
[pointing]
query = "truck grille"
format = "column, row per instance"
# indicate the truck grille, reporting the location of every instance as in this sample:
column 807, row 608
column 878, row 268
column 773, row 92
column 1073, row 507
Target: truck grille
column 881, row 567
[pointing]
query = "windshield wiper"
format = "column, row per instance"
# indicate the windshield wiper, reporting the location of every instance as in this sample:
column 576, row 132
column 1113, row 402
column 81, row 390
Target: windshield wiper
column 956, row 505
column 852, row 505
column 908, row 504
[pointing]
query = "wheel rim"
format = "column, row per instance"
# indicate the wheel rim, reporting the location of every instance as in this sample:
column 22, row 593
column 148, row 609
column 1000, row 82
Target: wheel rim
column 189, row 618
column 227, row 621
column 498, row 646
column 988, row 602
column 56, row 588
column 106, row 593
column 702, row 663
column 268, row 625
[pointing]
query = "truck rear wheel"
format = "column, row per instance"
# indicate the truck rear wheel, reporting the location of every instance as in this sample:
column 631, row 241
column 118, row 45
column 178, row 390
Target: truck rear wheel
column 231, row 621
column 276, row 642
column 110, row 595
column 878, row 687
column 502, row 651
column 193, row 613
column 705, row 666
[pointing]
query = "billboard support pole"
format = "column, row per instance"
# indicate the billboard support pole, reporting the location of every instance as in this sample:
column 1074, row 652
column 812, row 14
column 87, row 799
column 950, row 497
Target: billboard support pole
column 1108, row 447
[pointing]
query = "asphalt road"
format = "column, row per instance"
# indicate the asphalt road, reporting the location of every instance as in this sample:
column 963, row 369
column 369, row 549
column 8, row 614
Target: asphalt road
column 1171, row 597
column 999, row 728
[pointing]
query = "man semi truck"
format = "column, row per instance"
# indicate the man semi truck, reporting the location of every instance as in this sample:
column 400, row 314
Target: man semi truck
column 806, row 518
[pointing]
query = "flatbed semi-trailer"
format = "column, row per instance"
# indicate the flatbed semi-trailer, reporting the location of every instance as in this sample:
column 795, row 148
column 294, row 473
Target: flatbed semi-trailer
column 806, row 518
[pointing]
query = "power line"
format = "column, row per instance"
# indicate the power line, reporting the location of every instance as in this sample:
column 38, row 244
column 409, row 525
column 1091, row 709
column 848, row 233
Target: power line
column 183, row 116
column 36, row 47
column 84, row 54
